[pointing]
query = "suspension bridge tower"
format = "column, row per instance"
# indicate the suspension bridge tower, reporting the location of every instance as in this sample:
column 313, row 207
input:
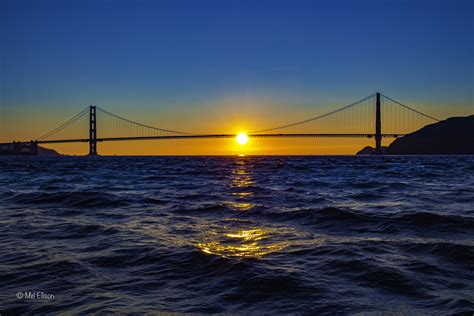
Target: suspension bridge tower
column 378, row 126
column 92, row 131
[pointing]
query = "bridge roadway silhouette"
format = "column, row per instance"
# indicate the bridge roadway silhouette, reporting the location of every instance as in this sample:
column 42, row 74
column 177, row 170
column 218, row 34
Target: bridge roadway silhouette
column 200, row 136
column 367, row 110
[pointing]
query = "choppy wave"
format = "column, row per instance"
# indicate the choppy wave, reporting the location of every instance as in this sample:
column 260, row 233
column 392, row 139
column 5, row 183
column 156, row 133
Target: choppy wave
column 79, row 199
column 262, row 235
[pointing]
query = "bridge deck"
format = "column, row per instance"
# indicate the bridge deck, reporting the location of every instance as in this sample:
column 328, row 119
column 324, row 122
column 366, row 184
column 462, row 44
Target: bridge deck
column 202, row 136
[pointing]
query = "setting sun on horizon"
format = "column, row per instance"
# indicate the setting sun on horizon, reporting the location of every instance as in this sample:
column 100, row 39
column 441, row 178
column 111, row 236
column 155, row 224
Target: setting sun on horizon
column 242, row 139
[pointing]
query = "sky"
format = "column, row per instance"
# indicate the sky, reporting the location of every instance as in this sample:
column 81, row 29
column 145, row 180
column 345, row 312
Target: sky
column 228, row 66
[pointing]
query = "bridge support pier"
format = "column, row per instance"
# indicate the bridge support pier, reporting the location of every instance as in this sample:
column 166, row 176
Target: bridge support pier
column 92, row 131
column 378, row 126
column 34, row 148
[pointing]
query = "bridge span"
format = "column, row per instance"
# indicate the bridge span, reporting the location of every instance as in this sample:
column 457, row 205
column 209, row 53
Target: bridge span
column 362, row 119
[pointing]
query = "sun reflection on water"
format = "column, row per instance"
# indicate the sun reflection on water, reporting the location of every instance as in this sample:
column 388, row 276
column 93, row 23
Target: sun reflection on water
column 240, row 206
column 250, row 243
column 241, row 182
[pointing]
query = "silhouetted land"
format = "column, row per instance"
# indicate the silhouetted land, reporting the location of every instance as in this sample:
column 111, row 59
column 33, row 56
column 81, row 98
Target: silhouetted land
column 47, row 152
column 453, row 136
column 7, row 150
column 368, row 150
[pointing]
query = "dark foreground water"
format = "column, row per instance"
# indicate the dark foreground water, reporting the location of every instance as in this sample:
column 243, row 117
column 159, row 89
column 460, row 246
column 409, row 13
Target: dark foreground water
column 305, row 235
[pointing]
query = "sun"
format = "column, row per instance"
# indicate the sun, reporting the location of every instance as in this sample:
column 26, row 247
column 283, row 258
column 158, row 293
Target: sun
column 242, row 139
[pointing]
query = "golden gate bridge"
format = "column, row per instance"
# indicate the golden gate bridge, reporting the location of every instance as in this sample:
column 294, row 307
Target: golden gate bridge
column 376, row 116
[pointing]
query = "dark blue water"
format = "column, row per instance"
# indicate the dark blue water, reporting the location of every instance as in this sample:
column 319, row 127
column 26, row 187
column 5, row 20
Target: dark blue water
column 305, row 235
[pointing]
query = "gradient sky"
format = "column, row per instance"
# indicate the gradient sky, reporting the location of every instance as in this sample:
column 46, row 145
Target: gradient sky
column 227, row 65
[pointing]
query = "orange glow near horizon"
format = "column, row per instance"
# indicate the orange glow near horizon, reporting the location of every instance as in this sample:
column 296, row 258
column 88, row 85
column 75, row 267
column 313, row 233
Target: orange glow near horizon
column 204, row 147
column 221, row 116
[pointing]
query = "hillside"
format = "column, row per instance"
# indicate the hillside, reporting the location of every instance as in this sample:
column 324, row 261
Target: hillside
column 453, row 136
column 47, row 152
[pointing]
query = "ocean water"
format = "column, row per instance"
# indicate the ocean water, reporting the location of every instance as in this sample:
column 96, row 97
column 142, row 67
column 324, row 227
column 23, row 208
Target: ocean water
column 301, row 235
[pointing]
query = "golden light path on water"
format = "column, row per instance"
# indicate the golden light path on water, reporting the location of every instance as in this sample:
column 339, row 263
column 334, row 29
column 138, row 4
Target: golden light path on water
column 241, row 243
column 246, row 242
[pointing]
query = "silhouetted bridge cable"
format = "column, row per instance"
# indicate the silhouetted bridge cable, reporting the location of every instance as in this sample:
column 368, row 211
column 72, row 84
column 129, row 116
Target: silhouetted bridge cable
column 358, row 118
column 376, row 116
column 63, row 126
column 307, row 122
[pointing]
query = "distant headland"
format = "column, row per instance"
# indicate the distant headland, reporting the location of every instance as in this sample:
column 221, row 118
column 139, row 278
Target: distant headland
column 453, row 136
column 11, row 149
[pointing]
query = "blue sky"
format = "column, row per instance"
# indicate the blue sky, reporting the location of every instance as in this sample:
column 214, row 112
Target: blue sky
column 168, row 57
